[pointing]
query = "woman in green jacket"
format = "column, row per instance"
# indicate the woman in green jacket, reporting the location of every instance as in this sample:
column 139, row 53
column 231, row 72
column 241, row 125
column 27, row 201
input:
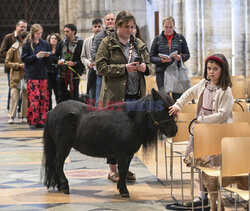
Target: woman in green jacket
column 122, row 60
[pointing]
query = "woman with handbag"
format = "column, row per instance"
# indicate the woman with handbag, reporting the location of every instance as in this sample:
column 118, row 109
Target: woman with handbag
column 166, row 48
column 17, row 78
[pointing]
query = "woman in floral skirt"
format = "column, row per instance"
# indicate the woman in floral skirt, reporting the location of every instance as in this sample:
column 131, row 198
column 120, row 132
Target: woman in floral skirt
column 35, row 54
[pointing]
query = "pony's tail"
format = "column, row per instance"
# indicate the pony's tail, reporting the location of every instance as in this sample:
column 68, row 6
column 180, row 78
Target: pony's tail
column 49, row 156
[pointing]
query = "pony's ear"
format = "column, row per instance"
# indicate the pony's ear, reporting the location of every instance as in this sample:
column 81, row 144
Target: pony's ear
column 154, row 93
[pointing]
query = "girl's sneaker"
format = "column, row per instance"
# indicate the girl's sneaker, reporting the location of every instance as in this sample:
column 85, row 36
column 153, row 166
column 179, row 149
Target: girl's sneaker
column 11, row 120
column 24, row 120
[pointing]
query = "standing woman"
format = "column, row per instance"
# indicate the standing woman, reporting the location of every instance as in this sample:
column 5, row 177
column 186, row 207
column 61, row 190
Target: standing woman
column 53, row 39
column 167, row 42
column 122, row 77
column 34, row 55
column 17, row 78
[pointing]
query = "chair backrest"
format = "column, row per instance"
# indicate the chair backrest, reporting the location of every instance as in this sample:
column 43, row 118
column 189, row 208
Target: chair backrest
column 237, row 77
column 189, row 108
column 185, row 117
column 241, row 117
column 235, row 156
column 238, row 89
column 150, row 84
column 197, row 77
column 240, row 106
column 194, row 81
column 248, row 87
column 207, row 137
column 182, row 134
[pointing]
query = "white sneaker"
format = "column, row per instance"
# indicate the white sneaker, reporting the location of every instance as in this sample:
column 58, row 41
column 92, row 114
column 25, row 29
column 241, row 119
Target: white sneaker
column 24, row 120
column 11, row 120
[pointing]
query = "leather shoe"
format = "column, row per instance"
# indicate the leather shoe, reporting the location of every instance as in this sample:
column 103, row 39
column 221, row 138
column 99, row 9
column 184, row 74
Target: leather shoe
column 130, row 176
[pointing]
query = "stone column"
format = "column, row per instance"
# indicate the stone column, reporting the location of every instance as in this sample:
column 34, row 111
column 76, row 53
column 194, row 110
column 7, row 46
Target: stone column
column 67, row 13
column 190, row 31
column 87, row 11
column 238, row 37
column 178, row 14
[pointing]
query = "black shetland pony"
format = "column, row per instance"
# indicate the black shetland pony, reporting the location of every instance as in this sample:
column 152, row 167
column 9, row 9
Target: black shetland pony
column 117, row 130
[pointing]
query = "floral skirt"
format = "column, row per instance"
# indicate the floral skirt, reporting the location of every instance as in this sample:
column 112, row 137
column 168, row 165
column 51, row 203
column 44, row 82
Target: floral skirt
column 38, row 101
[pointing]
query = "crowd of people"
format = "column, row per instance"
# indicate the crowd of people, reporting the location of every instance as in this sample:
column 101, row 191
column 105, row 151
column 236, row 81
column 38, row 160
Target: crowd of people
column 55, row 65
column 116, row 59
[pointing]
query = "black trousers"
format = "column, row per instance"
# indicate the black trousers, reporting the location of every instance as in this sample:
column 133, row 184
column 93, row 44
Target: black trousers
column 64, row 94
column 113, row 160
column 91, row 84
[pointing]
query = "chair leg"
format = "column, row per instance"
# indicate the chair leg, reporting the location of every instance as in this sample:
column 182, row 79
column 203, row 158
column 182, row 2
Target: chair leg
column 219, row 193
column 171, row 167
column 235, row 201
column 166, row 160
column 192, row 183
column 182, row 191
column 202, row 199
column 156, row 159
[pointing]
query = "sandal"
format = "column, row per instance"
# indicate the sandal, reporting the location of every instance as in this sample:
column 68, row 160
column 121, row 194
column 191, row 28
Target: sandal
column 114, row 177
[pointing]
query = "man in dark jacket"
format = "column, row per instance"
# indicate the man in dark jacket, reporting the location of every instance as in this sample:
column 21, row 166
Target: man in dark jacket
column 8, row 41
column 68, row 57
column 109, row 21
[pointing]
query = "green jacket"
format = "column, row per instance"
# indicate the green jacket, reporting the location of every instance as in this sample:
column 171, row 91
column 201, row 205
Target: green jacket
column 111, row 62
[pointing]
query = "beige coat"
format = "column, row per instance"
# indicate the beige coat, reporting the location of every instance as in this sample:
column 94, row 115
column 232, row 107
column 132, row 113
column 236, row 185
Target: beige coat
column 13, row 59
column 111, row 62
column 222, row 103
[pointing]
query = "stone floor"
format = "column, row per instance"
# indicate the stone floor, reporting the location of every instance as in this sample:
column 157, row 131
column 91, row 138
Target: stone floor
column 21, row 187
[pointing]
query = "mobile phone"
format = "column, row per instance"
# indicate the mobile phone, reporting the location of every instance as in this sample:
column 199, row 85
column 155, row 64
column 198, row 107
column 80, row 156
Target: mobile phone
column 46, row 52
column 138, row 59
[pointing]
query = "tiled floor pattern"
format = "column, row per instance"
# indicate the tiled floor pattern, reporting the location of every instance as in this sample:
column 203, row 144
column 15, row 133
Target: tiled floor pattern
column 20, row 175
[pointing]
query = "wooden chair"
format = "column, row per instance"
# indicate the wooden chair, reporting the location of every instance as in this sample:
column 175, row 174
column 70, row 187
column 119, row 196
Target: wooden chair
column 189, row 108
column 181, row 138
column 207, row 141
column 240, row 106
column 241, row 117
column 237, row 77
column 238, row 89
column 195, row 79
column 150, row 84
column 185, row 117
column 236, row 162
column 247, row 84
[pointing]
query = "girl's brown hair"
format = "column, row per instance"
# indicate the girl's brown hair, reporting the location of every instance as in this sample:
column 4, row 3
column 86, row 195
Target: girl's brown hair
column 219, row 59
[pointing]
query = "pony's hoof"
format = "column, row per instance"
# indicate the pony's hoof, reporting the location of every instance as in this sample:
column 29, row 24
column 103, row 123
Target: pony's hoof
column 125, row 195
column 65, row 191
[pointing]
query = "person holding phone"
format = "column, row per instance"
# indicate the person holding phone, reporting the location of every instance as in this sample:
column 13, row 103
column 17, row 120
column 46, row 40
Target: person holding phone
column 122, row 76
column 168, row 43
column 35, row 60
